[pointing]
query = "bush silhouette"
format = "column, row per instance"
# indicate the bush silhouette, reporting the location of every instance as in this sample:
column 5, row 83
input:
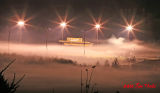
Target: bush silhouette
column 5, row 86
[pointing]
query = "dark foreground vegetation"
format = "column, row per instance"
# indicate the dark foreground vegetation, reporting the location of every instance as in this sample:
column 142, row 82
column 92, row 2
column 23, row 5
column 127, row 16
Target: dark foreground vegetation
column 5, row 86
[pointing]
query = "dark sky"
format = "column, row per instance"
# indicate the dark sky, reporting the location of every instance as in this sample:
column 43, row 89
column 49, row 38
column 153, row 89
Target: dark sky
column 43, row 11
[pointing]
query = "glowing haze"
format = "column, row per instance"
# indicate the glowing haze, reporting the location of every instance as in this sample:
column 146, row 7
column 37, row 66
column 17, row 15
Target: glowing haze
column 111, row 48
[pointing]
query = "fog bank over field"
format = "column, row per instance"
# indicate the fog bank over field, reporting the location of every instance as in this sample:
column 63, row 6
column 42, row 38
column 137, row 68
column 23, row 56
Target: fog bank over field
column 108, row 49
column 42, row 76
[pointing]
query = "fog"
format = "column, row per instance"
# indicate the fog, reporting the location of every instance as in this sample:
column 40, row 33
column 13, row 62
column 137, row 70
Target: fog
column 108, row 49
column 42, row 77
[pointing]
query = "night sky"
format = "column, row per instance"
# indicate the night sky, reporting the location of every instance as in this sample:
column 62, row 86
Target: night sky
column 43, row 13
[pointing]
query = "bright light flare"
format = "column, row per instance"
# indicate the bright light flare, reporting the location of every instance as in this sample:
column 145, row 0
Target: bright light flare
column 63, row 24
column 20, row 23
column 129, row 28
column 98, row 23
column 97, row 26
column 20, row 20
column 131, row 25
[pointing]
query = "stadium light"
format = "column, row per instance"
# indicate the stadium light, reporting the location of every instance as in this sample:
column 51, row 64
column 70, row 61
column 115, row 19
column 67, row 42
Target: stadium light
column 129, row 28
column 97, row 26
column 63, row 24
column 20, row 23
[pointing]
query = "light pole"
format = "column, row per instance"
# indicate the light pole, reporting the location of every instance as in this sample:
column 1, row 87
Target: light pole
column 9, row 34
column 84, row 42
column 63, row 25
column 97, row 26
column 46, row 41
column 21, row 24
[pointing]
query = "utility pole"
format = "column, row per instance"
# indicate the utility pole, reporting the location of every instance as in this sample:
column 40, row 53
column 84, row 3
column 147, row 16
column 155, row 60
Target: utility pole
column 84, row 36
column 9, row 34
